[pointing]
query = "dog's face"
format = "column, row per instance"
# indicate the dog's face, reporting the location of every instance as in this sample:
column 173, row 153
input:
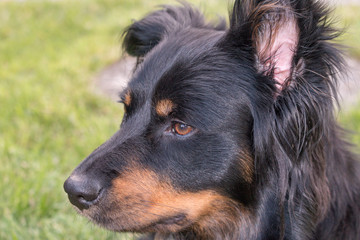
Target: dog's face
column 183, row 146
column 184, row 155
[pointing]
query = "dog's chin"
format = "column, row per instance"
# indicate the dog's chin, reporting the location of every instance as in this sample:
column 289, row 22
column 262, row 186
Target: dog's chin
column 165, row 225
column 122, row 222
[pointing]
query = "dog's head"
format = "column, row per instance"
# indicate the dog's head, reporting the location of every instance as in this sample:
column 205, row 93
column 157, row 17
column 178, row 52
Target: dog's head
column 203, row 110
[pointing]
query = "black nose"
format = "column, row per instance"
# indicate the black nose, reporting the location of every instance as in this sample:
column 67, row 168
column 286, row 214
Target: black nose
column 82, row 192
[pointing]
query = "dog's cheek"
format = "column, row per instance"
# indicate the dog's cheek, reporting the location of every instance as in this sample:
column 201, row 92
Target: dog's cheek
column 140, row 199
column 225, row 215
column 246, row 165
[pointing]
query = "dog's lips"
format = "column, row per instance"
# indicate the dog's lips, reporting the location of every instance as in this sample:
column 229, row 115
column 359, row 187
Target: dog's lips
column 119, row 223
column 167, row 224
column 173, row 223
column 177, row 219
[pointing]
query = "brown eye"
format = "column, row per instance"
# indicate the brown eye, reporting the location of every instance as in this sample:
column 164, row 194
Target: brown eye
column 181, row 128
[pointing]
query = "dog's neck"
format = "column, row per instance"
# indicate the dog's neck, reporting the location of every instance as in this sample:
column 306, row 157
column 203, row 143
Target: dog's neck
column 344, row 185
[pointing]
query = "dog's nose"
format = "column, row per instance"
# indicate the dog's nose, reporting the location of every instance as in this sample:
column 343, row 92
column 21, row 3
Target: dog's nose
column 82, row 192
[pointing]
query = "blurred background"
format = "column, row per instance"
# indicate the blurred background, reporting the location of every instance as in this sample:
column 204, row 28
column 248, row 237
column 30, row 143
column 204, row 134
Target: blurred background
column 60, row 68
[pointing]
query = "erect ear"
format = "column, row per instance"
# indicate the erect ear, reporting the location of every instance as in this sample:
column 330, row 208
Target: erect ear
column 143, row 35
column 272, row 28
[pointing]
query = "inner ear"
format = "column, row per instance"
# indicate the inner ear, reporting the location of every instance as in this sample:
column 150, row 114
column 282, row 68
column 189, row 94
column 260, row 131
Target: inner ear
column 275, row 37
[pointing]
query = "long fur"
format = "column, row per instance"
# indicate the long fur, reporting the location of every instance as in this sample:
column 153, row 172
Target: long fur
column 309, row 157
column 272, row 150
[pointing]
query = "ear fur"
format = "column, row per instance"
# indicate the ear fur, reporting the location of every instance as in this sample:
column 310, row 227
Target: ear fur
column 143, row 35
column 289, row 41
column 274, row 32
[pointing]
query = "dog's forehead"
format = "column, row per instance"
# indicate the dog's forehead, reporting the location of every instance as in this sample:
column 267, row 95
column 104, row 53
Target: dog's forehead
column 188, row 71
column 182, row 46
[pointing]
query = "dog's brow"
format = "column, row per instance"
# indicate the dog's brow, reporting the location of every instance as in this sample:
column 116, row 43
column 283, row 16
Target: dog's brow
column 164, row 107
column 125, row 97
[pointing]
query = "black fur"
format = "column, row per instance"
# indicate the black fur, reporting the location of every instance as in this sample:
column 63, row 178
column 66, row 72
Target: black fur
column 304, row 182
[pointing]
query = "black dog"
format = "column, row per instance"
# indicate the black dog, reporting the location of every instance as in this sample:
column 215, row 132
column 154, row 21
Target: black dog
column 229, row 133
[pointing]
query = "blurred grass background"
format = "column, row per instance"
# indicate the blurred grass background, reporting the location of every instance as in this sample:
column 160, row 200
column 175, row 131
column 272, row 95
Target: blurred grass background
column 50, row 117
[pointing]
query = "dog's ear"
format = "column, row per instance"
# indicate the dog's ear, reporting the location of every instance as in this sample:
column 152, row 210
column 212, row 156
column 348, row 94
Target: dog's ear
column 271, row 29
column 289, row 132
column 143, row 35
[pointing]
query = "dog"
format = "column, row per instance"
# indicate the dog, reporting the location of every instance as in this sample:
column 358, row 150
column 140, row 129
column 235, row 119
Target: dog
column 229, row 131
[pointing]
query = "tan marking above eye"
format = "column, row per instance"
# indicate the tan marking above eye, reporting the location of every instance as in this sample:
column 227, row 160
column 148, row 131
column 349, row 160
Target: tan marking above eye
column 164, row 107
column 127, row 98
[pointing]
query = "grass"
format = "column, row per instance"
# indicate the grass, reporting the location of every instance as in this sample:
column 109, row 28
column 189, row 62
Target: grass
column 351, row 120
column 50, row 116
column 350, row 21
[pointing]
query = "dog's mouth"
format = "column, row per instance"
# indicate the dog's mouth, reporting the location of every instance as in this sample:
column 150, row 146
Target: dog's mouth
column 166, row 224
column 130, row 218
column 139, row 202
column 123, row 224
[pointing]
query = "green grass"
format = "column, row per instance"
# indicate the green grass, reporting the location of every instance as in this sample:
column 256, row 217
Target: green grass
column 50, row 117
column 351, row 120
column 349, row 18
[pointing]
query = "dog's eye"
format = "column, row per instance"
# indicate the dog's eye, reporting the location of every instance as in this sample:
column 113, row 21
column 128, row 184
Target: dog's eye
column 181, row 129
